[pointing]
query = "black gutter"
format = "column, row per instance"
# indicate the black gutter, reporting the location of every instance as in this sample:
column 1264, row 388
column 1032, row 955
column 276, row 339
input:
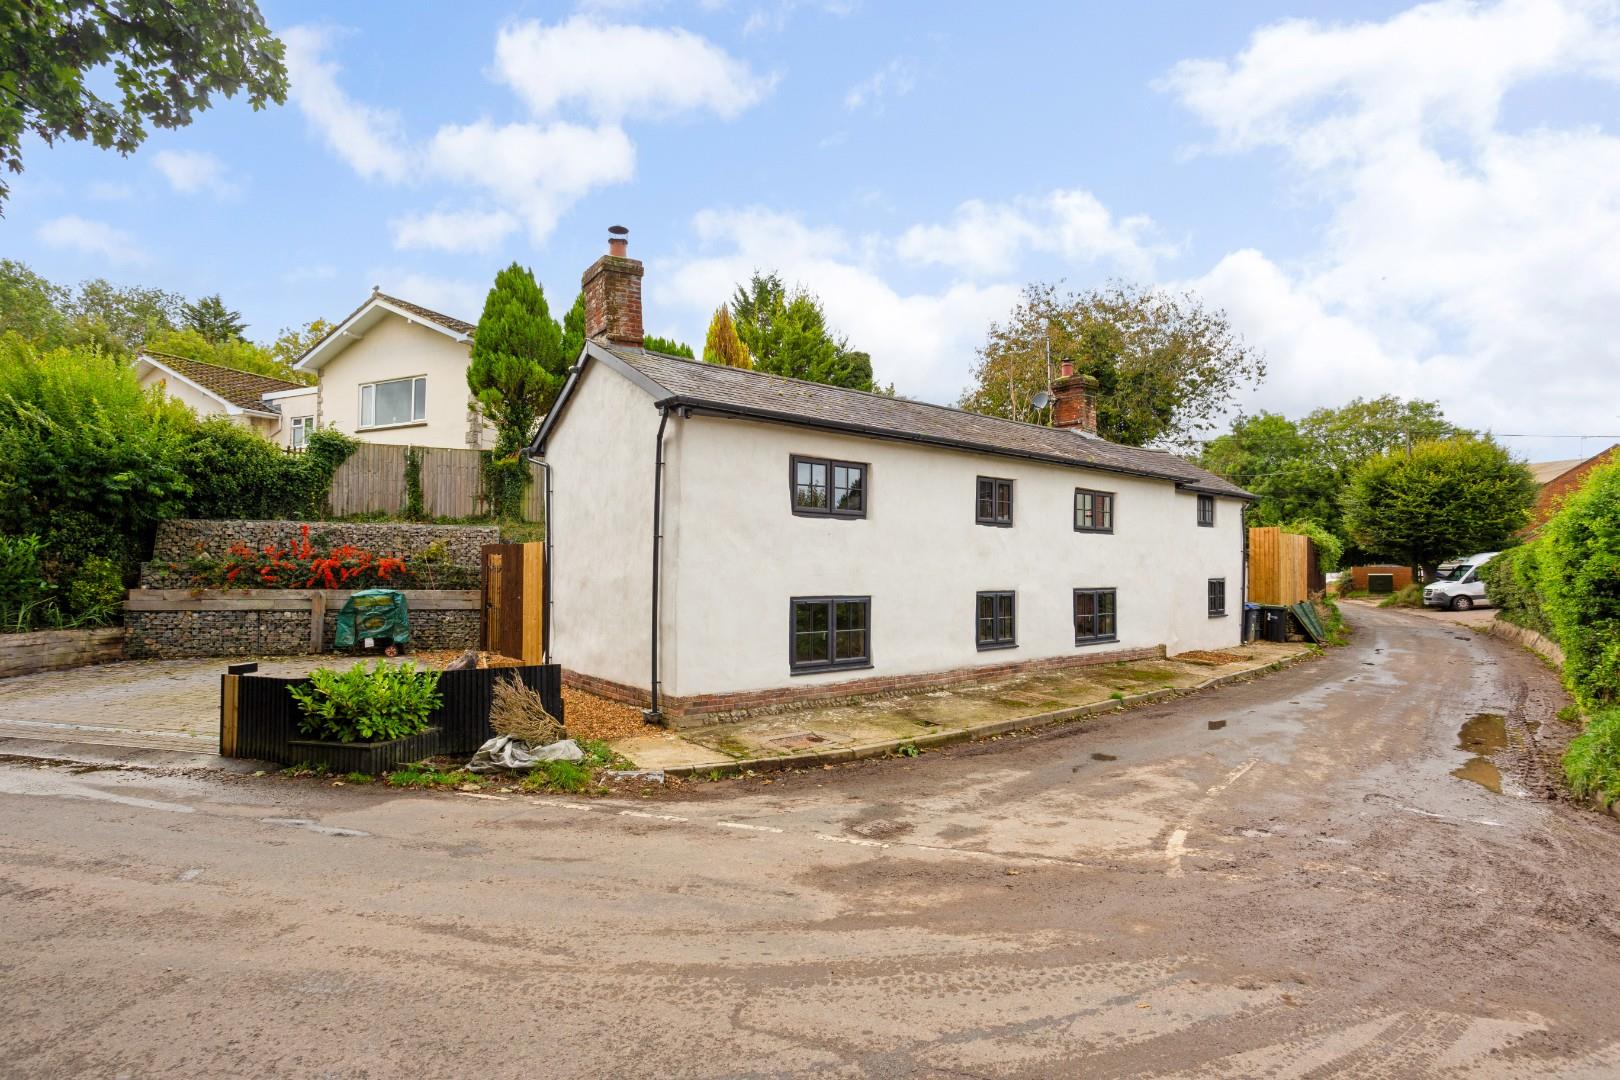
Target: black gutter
column 793, row 419
column 652, row 714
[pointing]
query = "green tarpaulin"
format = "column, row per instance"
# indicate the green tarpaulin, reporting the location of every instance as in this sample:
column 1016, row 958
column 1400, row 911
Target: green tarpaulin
column 373, row 613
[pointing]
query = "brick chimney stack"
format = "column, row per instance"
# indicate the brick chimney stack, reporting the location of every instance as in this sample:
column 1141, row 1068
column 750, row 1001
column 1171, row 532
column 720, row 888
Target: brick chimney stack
column 1074, row 401
column 612, row 288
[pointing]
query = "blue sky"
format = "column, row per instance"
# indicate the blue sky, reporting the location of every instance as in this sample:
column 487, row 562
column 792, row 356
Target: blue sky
column 1422, row 200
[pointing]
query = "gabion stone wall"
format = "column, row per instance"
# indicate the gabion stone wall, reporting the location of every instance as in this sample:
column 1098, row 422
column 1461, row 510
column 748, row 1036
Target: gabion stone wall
column 175, row 635
column 178, row 542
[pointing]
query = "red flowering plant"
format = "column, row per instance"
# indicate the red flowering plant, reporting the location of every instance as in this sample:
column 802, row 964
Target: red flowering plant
column 300, row 565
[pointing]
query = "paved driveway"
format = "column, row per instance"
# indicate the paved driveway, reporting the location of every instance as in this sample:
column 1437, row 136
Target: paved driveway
column 1348, row 868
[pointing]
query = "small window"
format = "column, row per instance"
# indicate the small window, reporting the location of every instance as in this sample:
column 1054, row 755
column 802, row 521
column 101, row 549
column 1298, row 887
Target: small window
column 1093, row 511
column 398, row 401
column 995, row 620
column 830, row 632
column 1094, row 616
column 1206, row 511
column 995, row 502
column 822, row 487
column 298, row 437
column 1217, row 597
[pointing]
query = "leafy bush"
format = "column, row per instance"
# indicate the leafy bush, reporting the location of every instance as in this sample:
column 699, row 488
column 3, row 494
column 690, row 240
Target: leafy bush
column 1409, row 596
column 23, row 591
column 300, row 565
column 1579, row 574
column 95, row 593
column 1512, row 583
column 1329, row 546
column 367, row 704
column 1592, row 762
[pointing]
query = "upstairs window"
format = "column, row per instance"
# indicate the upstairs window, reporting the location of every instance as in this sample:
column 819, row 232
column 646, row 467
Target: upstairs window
column 1093, row 511
column 996, row 624
column 1217, row 597
column 823, row 487
column 1095, row 616
column 1206, row 511
column 398, row 401
column 298, row 436
column 995, row 502
column 830, row 632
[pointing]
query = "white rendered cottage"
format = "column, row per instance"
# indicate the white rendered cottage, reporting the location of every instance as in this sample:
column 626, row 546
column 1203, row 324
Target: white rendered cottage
column 723, row 538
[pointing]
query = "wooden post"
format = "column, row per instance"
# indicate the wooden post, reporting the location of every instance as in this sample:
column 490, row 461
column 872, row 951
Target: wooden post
column 317, row 620
column 229, row 687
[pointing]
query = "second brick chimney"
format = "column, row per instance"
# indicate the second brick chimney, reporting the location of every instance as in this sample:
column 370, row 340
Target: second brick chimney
column 1074, row 401
column 612, row 288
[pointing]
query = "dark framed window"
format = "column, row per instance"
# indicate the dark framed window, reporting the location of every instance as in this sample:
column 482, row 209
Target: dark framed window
column 1093, row 511
column 1217, row 597
column 995, row 620
column 1096, row 616
column 1206, row 511
column 829, row 632
column 824, row 487
column 994, row 505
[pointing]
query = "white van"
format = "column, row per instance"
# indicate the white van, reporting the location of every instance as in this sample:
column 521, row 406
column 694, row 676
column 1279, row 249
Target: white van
column 1460, row 589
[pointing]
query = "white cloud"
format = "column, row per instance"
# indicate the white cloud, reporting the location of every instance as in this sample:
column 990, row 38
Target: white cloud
column 538, row 170
column 615, row 72
column 453, row 230
column 895, row 79
column 988, row 238
column 193, row 171
column 110, row 191
column 370, row 139
column 92, row 238
column 922, row 341
column 1462, row 260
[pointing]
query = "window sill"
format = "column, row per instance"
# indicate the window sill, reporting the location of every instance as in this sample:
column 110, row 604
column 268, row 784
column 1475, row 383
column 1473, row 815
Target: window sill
column 994, row 645
column 863, row 665
column 1206, row 524
column 995, row 524
column 1096, row 641
column 836, row 515
column 1217, row 614
column 390, row 427
column 1106, row 532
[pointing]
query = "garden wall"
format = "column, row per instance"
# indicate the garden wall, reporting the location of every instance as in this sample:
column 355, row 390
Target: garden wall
column 170, row 624
column 179, row 542
column 52, row 650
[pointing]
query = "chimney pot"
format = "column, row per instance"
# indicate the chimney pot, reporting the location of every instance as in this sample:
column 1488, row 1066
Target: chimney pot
column 1068, row 368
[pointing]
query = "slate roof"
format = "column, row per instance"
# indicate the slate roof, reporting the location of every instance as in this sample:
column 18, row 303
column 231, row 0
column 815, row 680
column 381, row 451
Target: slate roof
column 241, row 388
column 774, row 397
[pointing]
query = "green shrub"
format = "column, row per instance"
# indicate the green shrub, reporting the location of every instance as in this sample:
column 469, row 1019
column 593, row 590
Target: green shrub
column 1592, row 762
column 557, row 776
column 23, row 589
column 367, row 704
column 1512, row 583
column 95, row 593
column 1409, row 596
column 1329, row 545
column 1579, row 573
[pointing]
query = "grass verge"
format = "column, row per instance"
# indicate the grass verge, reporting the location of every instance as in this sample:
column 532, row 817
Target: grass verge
column 1592, row 761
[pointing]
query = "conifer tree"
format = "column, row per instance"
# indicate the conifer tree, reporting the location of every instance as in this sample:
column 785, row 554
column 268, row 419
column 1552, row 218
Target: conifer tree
column 213, row 320
column 723, row 346
column 518, row 363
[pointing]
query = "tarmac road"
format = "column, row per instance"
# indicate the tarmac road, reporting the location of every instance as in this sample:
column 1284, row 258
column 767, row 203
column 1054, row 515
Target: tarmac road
column 1280, row 878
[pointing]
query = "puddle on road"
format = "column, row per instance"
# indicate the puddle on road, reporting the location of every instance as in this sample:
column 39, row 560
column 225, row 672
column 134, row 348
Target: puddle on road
column 1482, row 736
column 1104, row 757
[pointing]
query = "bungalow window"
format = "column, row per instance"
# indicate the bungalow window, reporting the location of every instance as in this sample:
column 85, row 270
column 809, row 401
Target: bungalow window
column 1206, row 511
column 1217, row 597
column 995, row 502
column 398, row 401
column 823, row 487
column 1093, row 511
column 830, row 632
column 298, row 437
column 1094, row 616
column 995, row 622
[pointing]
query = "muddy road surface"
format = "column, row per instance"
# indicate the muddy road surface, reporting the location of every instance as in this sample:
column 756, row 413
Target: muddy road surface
column 1347, row 868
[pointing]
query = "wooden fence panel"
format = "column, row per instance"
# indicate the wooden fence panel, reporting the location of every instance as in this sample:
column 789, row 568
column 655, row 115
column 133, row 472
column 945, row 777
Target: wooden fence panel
column 1279, row 566
column 372, row 481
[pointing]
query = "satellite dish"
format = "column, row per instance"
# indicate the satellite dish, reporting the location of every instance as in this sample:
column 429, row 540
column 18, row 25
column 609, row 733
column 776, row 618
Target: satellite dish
column 1041, row 400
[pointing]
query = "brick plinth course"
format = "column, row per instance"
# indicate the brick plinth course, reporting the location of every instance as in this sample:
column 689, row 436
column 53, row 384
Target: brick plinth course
column 175, row 635
column 179, row 542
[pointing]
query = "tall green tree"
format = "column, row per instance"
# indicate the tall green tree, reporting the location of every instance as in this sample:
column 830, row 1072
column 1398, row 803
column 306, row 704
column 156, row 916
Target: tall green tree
column 722, row 345
column 212, row 319
column 573, row 329
column 232, row 353
column 166, row 58
column 1441, row 498
column 128, row 313
column 786, row 333
column 294, row 341
column 30, row 305
column 1166, row 366
column 518, row 363
column 1343, row 438
column 1269, row 456
column 667, row 346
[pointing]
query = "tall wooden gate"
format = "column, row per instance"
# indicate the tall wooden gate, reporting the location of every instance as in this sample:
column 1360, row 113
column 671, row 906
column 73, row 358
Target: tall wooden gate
column 514, row 601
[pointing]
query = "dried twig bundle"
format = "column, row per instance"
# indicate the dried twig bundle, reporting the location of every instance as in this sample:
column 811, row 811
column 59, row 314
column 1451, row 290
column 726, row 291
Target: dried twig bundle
column 517, row 711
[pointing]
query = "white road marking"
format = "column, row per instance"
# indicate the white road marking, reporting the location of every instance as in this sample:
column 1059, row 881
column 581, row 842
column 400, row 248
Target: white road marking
column 830, row 838
column 654, row 817
column 1175, row 848
column 745, row 825
column 313, row 826
column 478, row 795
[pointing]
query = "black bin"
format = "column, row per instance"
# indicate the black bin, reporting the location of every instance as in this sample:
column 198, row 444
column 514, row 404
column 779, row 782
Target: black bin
column 1251, row 622
column 1275, row 621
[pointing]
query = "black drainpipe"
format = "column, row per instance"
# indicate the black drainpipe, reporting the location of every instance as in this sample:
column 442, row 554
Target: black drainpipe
column 652, row 714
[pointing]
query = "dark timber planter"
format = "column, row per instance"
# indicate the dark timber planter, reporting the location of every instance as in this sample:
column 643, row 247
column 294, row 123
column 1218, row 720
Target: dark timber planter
column 364, row 757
